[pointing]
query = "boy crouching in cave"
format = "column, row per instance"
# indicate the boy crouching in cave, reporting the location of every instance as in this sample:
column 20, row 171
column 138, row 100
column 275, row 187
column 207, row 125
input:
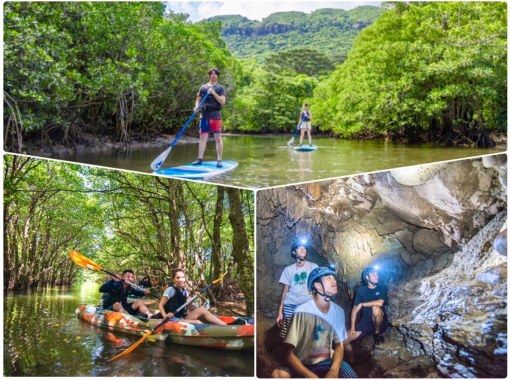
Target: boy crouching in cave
column 370, row 301
column 317, row 326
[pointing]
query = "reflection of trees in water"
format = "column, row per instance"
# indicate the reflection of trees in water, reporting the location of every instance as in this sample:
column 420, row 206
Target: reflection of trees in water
column 43, row 337
column 302, row 164
column 40, row 335
column 204, row 362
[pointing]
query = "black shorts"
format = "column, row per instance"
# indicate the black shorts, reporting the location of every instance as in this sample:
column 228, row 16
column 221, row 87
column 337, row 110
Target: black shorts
column 129, row 308
column 366, row 323
column 126, row 306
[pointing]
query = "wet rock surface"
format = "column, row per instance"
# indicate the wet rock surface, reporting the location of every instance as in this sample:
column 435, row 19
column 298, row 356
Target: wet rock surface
column 440, row 244
column 458, row 316
column 268, row 342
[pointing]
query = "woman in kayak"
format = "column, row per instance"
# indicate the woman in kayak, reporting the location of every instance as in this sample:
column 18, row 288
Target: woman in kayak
column 305, row 124
column 175, row 296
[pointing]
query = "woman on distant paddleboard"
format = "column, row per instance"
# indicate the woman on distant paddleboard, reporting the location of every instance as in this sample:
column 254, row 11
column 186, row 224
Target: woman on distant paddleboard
column 305, row 124
column 211, row 121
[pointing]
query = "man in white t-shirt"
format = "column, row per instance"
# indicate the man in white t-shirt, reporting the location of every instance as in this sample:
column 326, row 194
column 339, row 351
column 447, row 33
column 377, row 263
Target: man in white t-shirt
column 318, row 325
column 294, row 280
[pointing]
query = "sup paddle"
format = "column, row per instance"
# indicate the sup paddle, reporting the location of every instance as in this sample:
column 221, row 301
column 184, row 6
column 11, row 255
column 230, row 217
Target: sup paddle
column 85, row 262
column 158, row 161
column 165, row 320
column 291, row 141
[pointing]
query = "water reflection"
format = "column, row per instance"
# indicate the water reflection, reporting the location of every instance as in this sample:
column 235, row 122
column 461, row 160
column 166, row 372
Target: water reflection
column 43, row 337
column 266, row 160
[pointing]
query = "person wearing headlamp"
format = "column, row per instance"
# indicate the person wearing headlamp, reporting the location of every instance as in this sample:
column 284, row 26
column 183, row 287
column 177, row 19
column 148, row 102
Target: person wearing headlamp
column 293, row 279
column 317, row 325
column 370, row 301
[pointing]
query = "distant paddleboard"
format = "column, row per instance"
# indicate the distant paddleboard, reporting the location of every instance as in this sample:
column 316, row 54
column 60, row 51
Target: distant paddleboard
column 305, row 148
column 207, row 169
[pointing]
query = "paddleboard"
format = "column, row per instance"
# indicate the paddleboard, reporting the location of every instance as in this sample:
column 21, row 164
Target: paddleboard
column 207, row 169
column 305, row 148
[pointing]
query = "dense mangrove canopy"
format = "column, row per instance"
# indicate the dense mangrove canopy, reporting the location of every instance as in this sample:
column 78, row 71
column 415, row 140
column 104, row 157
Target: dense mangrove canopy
column 434, row 71
column 80, row 72
column 121, row 220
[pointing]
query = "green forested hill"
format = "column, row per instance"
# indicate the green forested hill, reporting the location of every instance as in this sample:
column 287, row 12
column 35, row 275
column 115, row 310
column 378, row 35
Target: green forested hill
column 329, row 31
column 431, row 71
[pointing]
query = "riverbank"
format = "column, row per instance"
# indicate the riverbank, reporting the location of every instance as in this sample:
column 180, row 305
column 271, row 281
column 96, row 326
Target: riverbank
column 105, row 145
column 99, row 145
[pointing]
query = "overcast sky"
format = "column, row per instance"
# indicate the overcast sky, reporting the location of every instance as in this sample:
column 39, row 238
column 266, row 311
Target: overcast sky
column 255, row 10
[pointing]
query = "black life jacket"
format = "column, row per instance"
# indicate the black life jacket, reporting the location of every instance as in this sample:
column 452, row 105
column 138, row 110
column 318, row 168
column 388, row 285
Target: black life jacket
column 175, row 302
column 305, row 116
column 115, row 293
column 211, row 104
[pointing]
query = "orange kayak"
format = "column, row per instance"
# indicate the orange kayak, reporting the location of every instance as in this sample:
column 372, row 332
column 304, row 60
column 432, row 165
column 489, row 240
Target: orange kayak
column 230, row 337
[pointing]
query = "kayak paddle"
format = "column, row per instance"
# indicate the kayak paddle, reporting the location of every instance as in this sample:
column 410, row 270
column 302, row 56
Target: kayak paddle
column 87, row 263
column 165, row 320
column 291, row 141
column 158, row 161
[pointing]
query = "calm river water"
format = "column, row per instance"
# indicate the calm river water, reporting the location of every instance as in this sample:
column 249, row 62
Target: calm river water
column 43, row 337
column 267, row 161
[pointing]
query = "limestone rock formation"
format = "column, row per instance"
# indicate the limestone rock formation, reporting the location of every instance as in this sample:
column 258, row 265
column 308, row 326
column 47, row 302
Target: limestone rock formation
column 441, row 245
column 458, row 316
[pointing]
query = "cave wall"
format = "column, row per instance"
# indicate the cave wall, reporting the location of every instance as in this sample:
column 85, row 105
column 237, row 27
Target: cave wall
column 353, row 221
column 458, row 316
column 439, row 229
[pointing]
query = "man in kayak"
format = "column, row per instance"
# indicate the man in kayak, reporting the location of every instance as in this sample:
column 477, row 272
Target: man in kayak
column 176, row 295
column 293, row 279
column 210, row 121
column 317, row 326
column 116, row 292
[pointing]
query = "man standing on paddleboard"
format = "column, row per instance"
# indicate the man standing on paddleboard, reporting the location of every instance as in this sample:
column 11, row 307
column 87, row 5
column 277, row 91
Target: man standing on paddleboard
column 211, row 121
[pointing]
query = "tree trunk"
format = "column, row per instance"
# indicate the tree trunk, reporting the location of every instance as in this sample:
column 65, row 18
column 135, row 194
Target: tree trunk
column 216, row 240
column 241, row 248
column 173, row 216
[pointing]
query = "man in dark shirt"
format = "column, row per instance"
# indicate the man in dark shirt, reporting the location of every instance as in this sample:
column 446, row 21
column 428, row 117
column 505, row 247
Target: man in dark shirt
column 370, row 301
column 210, row 121
column 116, row 295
